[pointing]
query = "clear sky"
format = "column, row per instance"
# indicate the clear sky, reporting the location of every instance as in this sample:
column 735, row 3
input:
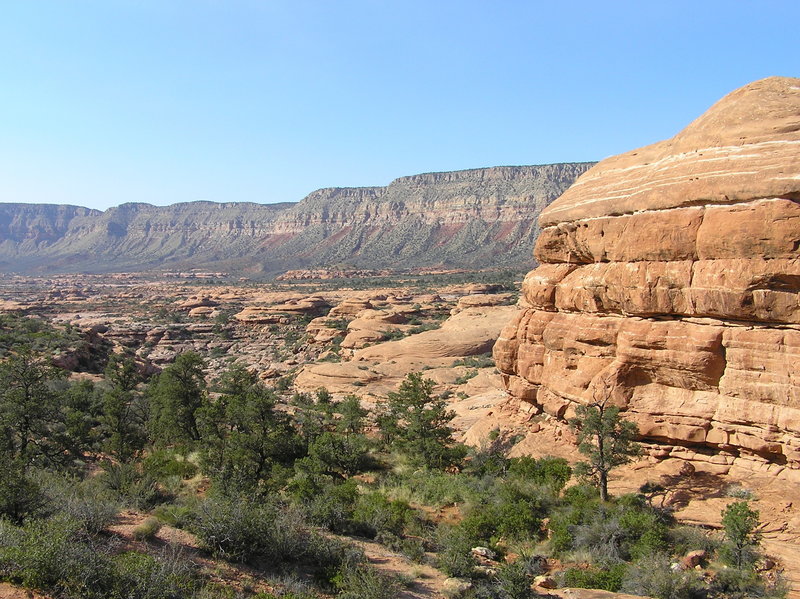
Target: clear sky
column 163, row 101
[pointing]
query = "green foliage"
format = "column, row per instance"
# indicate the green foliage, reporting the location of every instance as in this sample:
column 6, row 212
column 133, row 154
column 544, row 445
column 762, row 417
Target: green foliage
column 606, row 440
column 482, row 361
column 125, row 411
column 246, row 442
column 417, row 423
column 132, row 486
column 375, row 514
column 340, row 455
column 31, row 415
column 508, row 513
column 162, row 464
column 610, row 531
column 741, row 538
column 652, row 576
column 20, row 497
column 514, row 581
column 147, row 530
column 361, row 581
column 351, row 415
column 455, row 552
column 549, row 471
column 607, row 579
column 175, row 396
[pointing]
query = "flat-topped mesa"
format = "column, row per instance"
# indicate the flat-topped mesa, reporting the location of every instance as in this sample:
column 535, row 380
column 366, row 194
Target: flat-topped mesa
column 670, row 283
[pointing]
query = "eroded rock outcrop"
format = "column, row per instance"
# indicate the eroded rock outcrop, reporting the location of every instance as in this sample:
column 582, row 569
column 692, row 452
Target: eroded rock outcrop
column 669, row 285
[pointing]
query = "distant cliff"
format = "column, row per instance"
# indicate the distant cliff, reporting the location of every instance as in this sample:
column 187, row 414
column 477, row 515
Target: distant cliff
column 473, row 218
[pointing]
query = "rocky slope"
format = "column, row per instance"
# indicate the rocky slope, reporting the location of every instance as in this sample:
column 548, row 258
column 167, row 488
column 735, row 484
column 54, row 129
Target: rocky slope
column 669, row 285
column 472, row 218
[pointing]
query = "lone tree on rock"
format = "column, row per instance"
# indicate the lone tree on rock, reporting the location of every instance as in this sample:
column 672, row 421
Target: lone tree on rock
column 741, row 536
column 606, row 439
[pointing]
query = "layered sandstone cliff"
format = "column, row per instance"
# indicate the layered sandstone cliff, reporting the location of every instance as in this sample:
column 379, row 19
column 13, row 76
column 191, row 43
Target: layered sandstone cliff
column 471, row 219
column 669, row 284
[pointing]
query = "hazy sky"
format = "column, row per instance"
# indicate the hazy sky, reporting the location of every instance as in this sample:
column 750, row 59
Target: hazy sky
column 160, row 101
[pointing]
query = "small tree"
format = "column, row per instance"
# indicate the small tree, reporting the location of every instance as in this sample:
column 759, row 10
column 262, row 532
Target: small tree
column 741, row 539
column 418, row 422
column 175, row 396
column 606, row 439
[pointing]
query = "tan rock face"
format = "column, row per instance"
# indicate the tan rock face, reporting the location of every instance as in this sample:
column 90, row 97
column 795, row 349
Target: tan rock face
column 670, row 285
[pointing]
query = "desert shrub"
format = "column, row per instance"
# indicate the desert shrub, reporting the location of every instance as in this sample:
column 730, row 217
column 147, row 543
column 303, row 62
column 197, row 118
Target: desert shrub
column 374, row 514
column 607, row 579
column 85, row 501
column 333, row 506
column 20, row 496
column 653, row 577
column 162, row 464
column 178, row 516
column 413, row 548
column 684, row 539
column 735, row 583
column 431, row 487
column 235, row 529
column 361, row 581
column 133, row 487
column 554, row 472
column 167, row 575
column 514, row 581
column 244, row 530
column 612, row 531
column 53, row 555
column 455, row 552
column 147, row 530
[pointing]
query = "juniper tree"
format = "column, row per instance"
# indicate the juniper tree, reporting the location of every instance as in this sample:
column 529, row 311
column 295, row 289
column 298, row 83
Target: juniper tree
column 606, row 439
column 417, row 421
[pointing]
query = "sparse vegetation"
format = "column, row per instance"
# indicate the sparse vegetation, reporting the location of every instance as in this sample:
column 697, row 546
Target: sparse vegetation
column 268, row 481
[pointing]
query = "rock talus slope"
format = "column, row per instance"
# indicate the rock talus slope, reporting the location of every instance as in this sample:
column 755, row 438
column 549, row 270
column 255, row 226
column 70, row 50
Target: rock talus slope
column 670, row 285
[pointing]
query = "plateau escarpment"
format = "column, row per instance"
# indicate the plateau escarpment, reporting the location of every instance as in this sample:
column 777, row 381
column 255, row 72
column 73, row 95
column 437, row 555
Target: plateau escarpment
column 669, row 285
column 472, row 219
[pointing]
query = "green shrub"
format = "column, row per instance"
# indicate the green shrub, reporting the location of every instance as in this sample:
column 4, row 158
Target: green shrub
column 54, row 556
column 684, row 539
column 20, row 497
column 178, row 516
column 147, row 530
column 653, row 577
column 167, row 575
column 361, row 581
column 162, row 464
column 607, row 579
column 134, row 488
column 550, row 471
column 235, row 529
column 333, row 506
column 455, row 552
column 374, row 514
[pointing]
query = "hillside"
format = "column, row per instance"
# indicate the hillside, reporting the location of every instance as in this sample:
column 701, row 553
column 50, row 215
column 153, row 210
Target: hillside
column 473, row 218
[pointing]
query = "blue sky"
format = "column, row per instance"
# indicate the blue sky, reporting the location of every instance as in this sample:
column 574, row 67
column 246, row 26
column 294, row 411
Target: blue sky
column 160, row 101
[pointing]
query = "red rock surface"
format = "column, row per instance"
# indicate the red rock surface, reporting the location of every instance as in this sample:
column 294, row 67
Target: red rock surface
column 670, row 283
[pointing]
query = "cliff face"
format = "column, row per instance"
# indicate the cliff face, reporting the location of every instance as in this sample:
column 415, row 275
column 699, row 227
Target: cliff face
column 474, row 218
column 669, row 285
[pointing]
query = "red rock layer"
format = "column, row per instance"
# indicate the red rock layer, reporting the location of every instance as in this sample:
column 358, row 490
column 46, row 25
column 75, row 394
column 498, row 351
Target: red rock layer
column 670, row 284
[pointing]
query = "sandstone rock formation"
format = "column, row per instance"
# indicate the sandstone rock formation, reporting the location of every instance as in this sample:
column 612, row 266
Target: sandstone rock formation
column 669, row 285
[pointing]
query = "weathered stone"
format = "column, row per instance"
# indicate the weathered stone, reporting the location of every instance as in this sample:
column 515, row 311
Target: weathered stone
column 670, row 286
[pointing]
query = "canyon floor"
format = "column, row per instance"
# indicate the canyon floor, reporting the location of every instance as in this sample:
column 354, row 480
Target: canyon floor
column 362, row 336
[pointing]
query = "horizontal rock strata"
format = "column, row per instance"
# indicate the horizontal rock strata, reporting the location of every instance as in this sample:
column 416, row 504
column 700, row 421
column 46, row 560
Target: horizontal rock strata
column 670, row 286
